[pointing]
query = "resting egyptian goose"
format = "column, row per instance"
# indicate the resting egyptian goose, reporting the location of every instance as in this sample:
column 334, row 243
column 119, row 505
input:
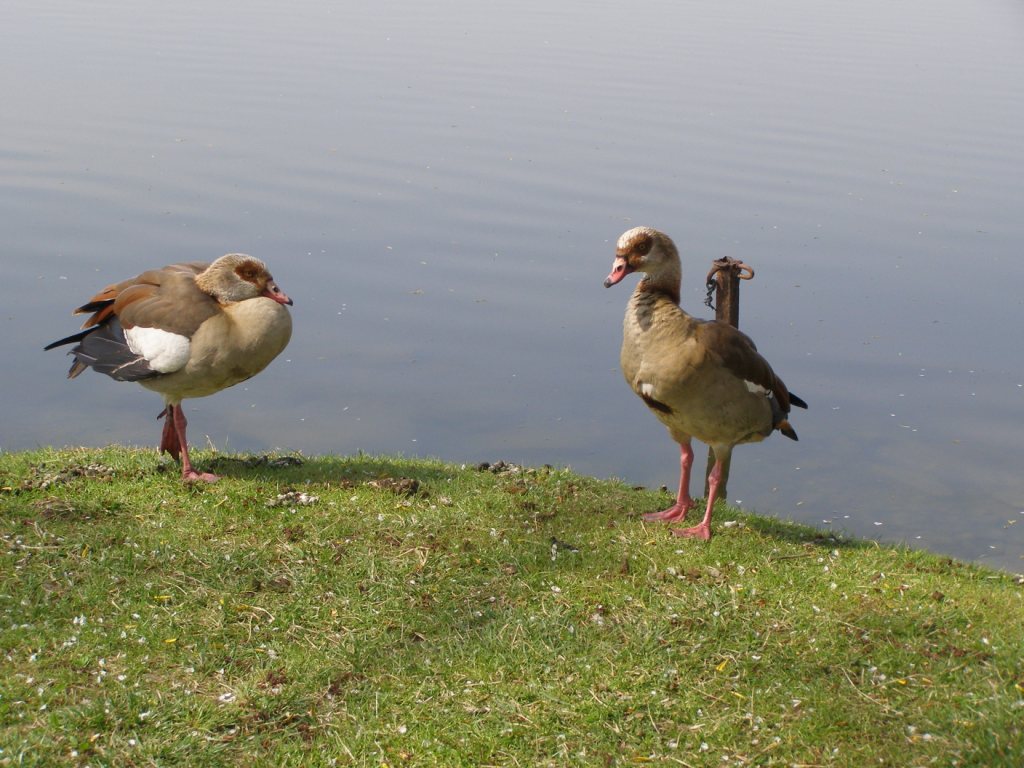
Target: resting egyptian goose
column 187, row 330
column 703, row 379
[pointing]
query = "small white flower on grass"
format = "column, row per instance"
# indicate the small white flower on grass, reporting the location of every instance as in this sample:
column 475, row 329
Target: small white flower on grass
column 704, row 746
column 402, row 729
column 226, row 698
column 143, row 716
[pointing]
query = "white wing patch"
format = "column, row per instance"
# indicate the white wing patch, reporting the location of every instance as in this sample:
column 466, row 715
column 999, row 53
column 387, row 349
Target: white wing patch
column 165, row 352
column 757, row 389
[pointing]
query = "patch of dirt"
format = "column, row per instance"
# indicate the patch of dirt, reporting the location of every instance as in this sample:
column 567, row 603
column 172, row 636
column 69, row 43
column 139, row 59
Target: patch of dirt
column 292, row 498
column 403, row 486
column 252, row 462
column 42, row 476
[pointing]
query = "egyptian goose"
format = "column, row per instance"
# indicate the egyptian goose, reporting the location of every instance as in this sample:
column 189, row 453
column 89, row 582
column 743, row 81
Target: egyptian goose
column 701, row 378
column 187, row 330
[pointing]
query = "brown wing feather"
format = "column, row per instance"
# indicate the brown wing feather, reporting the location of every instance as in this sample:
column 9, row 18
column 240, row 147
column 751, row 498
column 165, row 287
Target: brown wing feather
column 102, row 304
column 166, row 298
column 740, row 357
column 175, row 305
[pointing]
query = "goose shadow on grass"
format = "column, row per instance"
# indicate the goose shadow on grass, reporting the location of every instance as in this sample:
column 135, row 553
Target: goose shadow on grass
column 358, row 469
column 796, row 533
column 774, row 528
column 320, row 470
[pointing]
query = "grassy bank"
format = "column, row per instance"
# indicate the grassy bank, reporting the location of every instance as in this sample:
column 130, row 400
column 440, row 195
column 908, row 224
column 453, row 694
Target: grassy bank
column 375, row 611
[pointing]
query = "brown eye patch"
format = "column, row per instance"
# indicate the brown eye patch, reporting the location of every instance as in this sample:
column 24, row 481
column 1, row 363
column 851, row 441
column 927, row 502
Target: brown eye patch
column 643, row 246
column 248, row 271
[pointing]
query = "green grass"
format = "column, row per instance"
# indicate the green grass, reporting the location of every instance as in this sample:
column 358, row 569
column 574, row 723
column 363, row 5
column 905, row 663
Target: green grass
column 146, row 623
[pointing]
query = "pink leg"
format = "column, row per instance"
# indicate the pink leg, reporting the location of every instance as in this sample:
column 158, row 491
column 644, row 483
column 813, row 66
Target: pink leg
column 677, row 512
column 169, row 436
column 188, row 474
column 703, row 529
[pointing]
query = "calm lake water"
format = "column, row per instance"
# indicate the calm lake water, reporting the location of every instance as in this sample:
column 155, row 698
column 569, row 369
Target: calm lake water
column 439, row 187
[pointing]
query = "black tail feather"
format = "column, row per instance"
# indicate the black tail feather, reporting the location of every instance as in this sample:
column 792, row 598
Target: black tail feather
column 105, row 349
column 785, row 428
column 93, row 306
column 72, row 339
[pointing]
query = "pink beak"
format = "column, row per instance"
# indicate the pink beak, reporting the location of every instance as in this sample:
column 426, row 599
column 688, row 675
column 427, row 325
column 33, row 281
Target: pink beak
column 620, row 268
column 275, row 293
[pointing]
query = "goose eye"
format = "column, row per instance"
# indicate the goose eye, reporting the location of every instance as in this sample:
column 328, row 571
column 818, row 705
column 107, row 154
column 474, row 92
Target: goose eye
column 643, row 247
column 248, row 271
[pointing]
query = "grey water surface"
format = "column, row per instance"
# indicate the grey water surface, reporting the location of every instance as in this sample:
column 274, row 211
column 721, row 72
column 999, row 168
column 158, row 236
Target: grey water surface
column 440, row 187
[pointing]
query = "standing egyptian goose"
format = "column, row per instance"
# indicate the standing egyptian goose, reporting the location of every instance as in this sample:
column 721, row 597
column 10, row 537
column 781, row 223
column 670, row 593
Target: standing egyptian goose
column 701, row 378
column 187, row 330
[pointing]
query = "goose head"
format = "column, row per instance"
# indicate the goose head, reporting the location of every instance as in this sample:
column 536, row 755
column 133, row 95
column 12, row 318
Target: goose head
column 237, row 277
column 647, row 250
